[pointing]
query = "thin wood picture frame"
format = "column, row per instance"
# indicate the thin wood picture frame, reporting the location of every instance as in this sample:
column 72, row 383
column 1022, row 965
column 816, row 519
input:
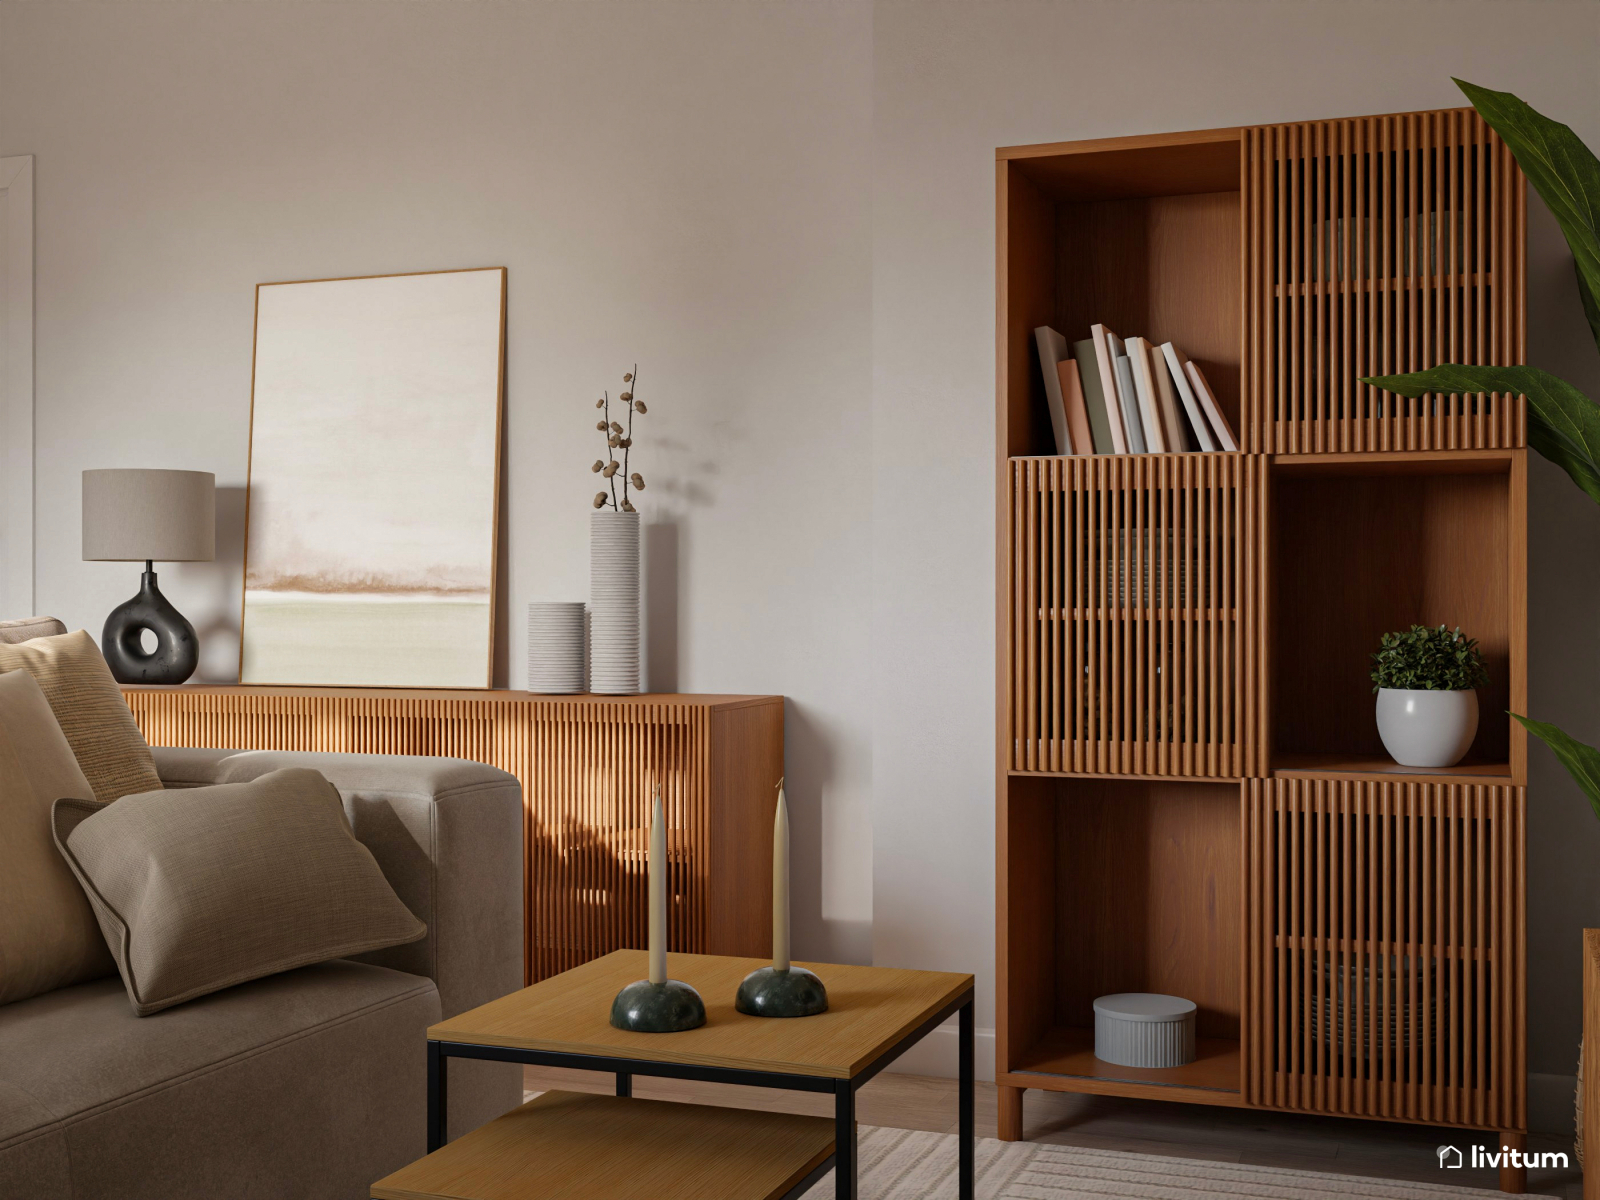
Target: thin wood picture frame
column 376, row 425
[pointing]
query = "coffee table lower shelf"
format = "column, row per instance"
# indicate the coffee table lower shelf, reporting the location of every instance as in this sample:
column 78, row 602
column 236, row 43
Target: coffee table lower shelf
column 621, row 1148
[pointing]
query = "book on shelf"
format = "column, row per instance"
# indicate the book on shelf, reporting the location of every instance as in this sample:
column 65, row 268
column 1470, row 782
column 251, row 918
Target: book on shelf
column 1077, row 411
column 1183, row 435
column 1106, row 359
column 1208, row 401
column 1052, row 348
column 1345, row 249
column 1094, row 396
column 1150, row 415
column 1175, row 360
column 1128, row 401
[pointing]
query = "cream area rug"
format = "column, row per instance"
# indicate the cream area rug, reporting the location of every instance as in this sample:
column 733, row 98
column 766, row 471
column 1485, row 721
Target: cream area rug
column 899, row 1164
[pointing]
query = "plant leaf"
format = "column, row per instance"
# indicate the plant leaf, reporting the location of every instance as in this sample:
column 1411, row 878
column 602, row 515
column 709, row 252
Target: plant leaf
column 1563, row 423
column 1565, row 173
column 1582, row 762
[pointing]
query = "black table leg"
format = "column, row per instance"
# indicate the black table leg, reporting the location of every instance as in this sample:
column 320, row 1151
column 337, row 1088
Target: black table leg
column 844, row 1141
column 624, row 1083
column 437, row 1098
column 964, row 1133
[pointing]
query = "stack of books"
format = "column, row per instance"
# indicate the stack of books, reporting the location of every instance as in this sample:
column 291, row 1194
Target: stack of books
column 1116, row 396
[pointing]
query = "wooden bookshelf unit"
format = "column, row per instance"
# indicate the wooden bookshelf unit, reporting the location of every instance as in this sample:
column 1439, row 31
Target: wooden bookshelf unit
column 1192, row 797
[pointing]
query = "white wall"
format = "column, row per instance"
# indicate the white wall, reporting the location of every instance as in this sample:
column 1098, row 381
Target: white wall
column 786, row 212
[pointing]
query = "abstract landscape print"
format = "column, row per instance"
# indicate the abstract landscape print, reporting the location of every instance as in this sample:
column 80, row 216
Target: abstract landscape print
column 374, row 479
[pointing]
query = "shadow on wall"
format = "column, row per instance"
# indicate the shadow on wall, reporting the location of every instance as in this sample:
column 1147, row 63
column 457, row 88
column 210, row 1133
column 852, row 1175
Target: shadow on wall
column 661, row 590
column 809, row 762
column 216, row 586
column 1563, row 666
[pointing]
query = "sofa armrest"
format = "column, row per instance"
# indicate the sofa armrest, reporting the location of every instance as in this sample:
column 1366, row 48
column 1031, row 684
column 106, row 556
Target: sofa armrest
column 447, row 834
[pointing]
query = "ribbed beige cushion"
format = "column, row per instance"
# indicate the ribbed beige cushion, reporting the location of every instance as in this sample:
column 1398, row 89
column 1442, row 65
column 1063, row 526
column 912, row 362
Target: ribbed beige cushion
column 48, row 934
column 26, row 628
column 197, row 889
column 89, row 705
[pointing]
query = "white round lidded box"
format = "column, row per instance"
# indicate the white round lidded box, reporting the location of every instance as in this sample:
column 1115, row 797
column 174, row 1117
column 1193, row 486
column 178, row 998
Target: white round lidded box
column 1144, row 1029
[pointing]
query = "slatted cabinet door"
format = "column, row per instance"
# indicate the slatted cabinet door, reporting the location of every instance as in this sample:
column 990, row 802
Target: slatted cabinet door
column 1134, row 609
column 1385, row 950
column 1375, row 246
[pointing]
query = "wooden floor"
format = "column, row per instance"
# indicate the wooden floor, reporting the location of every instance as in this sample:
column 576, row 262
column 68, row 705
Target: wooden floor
column 1346, row 1147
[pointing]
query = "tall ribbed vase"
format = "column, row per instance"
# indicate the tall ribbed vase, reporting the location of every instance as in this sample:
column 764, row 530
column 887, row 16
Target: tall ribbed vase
column 614, row 602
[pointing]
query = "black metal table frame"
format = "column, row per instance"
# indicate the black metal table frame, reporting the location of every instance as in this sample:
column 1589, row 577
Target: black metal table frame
column 844, row 1091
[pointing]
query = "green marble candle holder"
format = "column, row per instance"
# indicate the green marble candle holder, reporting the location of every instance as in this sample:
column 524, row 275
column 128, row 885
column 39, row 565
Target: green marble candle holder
column 769, row 992
column 669, row 1007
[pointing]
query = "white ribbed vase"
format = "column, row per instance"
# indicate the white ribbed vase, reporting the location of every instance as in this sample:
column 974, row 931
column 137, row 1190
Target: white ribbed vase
column 614, row 602
column 555, row 647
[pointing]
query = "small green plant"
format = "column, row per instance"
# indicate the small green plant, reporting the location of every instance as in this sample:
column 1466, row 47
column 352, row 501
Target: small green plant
column 1420, row 659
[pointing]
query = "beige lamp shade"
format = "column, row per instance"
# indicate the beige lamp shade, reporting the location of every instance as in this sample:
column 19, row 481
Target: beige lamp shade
column 160, row 516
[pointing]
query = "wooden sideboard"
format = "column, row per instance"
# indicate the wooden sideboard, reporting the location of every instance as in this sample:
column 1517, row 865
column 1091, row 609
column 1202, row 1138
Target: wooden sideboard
column 587, row 765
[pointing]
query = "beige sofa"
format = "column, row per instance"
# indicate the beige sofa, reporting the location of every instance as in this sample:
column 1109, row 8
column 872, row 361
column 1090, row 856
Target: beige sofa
column 306, row 1084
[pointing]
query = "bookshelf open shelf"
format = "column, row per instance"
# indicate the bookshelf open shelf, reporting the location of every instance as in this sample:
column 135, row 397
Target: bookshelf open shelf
column 1192, row 796
column 1067, row 1052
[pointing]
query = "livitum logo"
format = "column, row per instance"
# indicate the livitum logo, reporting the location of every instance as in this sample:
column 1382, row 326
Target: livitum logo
column 1450, row 1158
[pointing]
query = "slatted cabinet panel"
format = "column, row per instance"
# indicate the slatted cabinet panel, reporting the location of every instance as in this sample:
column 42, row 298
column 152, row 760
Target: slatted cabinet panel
column 1376, row 246
column 1134, row 587
column 1384, row 950
column 588, row 767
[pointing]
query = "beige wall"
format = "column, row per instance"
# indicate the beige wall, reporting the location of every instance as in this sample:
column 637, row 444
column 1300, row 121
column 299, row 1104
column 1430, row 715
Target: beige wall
column 785, row 211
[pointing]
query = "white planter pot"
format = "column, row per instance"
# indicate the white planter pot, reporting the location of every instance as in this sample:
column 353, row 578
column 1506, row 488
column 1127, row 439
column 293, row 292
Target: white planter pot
column 614, row 602
column 1427, row 729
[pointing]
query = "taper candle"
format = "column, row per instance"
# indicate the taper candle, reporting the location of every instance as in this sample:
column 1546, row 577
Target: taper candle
column 783, row 989
column 780, row 884
column 658, row 893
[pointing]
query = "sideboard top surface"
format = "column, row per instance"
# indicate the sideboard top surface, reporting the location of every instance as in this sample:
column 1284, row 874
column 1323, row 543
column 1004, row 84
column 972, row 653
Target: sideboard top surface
column 487, row 695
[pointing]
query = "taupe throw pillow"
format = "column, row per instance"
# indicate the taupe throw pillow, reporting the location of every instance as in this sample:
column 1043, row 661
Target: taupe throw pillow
column 48, row 934
column 198, row 889
column 87, row 702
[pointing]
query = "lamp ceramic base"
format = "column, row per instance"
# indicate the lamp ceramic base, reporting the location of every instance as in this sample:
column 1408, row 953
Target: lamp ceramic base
column 177, row 651
column 769, row 992
column 669, row 1007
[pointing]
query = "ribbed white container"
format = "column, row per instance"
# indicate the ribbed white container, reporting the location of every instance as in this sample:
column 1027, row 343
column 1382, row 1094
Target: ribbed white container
column 555, row 647
column 1144, row 1029
column 614, row 602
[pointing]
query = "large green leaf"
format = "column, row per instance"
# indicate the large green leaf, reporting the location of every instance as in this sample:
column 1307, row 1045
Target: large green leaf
column 1565, row 173
column 1563, row 423
column 1582, row 762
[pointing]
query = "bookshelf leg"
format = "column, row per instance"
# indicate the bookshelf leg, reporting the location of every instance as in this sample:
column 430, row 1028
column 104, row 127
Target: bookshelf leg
column 1010, row 1118
column 1514, row 1179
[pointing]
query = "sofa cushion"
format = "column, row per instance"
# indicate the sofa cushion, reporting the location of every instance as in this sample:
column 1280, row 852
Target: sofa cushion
column 200, row 889
column 89, row 706
column 48, row 937
column 26, row 628
column 306, row 1084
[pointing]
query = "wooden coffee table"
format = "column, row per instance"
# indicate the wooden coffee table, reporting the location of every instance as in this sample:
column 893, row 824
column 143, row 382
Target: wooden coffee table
column 875, row 1014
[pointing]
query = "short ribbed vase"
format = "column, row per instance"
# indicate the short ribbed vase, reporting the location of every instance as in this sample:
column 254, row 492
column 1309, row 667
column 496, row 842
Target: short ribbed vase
column 555, row 647
column 614, row 602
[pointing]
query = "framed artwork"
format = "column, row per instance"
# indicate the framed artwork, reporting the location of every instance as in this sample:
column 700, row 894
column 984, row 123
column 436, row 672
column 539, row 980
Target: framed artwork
column 372, row 508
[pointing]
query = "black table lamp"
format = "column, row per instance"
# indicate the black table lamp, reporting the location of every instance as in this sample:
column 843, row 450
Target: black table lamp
column 149, row 517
